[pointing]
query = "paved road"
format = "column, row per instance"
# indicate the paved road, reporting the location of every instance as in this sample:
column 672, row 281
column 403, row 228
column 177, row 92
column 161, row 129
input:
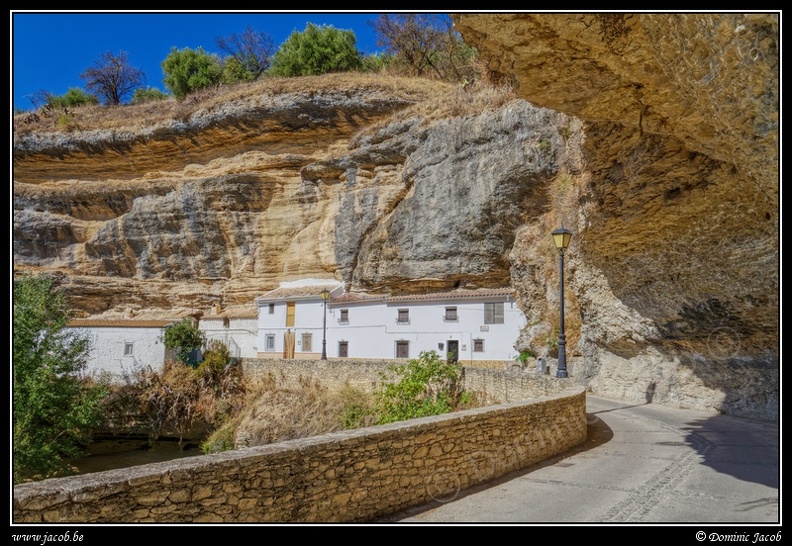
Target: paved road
column 641, row 463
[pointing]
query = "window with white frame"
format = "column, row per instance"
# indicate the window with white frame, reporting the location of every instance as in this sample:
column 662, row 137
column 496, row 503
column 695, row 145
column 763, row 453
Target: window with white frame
column 128, row 348
column 343, row 316
column 451, row 314
column 478, row 345
column 403, row 317
column 271, row 308
column 493, row 313
column 270, row 342
column 307, row 342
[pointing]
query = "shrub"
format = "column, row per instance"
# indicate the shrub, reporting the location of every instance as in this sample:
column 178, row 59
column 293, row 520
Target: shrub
column 187, row 70
column 150, row 94
column 316, row 50
column 424, row 386
column 186, row 339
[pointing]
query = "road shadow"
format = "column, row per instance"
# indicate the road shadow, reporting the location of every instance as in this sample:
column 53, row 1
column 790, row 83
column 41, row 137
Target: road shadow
column 745, row 449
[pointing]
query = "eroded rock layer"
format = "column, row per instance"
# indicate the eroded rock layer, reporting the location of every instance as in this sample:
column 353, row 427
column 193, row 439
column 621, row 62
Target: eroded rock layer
column 674, row 266
column 654, row 137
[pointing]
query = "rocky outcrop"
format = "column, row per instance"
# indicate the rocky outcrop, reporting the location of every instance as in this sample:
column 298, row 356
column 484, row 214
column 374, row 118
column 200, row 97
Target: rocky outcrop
column 654, row 137
column 674, row 265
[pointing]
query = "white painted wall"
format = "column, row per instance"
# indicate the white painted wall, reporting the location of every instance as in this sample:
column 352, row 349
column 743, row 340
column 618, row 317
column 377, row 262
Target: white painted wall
column 307, row 319
column 372, row 329
column 120, row 352
column 240, row 335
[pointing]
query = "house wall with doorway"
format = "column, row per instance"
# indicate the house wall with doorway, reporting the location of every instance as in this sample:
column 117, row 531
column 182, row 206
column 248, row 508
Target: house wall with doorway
column 293, row 314
column 465, row 328
column 471, row 325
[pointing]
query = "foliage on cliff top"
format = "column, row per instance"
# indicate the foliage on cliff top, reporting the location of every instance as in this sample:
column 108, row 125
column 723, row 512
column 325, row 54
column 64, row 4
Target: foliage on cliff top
column 137, row 117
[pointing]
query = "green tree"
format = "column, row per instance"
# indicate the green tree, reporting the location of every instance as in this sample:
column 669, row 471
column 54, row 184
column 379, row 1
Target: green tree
column 54, row 407
column 187, row 70
column 149, row 94
column 424, row 386
column 316, row 50
column 73, row 97
column 186, row 339
column 112, row 78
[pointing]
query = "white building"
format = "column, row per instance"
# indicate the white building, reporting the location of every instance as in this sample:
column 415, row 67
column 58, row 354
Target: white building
column 122, row 348
column 479, row 324
column 237, row 328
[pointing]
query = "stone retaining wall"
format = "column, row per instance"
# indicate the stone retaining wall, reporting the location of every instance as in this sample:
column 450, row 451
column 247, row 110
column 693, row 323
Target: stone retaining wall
column 350, row 476
column 505, row 385
column 340, row 477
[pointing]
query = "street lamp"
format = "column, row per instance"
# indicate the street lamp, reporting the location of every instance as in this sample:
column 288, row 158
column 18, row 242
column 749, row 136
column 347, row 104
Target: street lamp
column 561, row 238
column 325, row 295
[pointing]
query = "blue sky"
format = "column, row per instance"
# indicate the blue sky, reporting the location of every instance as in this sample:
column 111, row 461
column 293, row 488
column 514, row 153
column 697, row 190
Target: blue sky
column 51, row 49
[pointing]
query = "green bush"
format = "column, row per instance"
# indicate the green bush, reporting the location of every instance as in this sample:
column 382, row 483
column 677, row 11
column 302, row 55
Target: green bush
column 216, row 357
column 187, row 70
column 424, row 386
column 186, row 339
column 316, row 50
column 150, row 94
column 73, row 97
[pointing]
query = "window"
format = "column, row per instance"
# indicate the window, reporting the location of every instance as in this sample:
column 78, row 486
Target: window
column 226, row 322
column 290, row 313
column 344, row 318
column 343, row 348
column 404, row 316
column 128, row 349
column 478, row 345
column 307, row 346
column 402, row 349
column 271, row 308
column 493, row 313
column 270, row 344
column 450, row 314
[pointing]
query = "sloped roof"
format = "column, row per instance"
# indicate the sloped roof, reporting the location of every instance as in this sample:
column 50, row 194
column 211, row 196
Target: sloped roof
column 296, row 292
column 356, row 297
column 453, row 295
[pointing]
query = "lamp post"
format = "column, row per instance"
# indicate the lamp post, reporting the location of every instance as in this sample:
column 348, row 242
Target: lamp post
column 325, row 295
column 561, row 238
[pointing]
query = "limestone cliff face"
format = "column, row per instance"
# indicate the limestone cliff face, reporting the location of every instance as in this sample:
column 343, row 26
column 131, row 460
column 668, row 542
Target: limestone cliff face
column 346, row 181
column 653, row 137
column 674, row 267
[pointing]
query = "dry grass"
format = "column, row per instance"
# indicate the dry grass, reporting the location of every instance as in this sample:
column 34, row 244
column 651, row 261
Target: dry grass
column 136, row 117
column 274, row 414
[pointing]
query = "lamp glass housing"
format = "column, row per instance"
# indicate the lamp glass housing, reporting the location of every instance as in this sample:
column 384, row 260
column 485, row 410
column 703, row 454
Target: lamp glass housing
column 561, row 238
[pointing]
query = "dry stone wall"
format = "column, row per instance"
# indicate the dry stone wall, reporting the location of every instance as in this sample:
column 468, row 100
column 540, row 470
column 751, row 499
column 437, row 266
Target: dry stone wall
column 350, row 476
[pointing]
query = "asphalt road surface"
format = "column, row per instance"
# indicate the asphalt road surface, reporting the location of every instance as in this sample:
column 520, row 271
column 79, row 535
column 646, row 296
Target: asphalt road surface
column 642, row 463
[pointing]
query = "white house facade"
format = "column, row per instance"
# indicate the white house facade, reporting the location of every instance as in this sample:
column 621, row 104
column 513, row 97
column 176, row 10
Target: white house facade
column 479, row 324
column 238, row 329
column 122, row 348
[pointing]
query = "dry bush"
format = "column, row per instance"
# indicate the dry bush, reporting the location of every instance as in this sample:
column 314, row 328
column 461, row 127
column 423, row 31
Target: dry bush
column 177, row 399
column 273, row 413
